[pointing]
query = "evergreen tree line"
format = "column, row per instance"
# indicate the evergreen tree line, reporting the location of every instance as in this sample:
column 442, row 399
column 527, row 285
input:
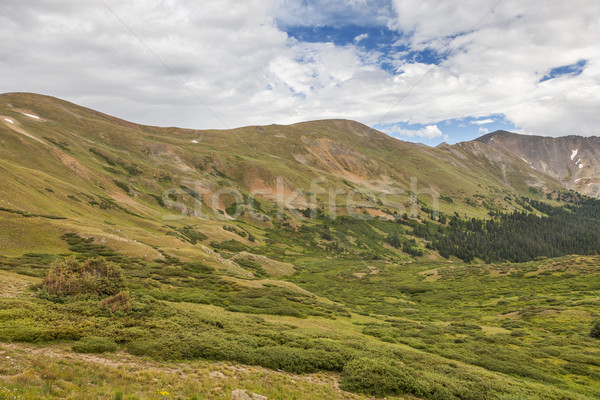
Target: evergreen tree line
column 518, row 236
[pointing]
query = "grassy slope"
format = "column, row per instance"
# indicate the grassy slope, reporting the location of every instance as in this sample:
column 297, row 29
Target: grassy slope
column 54, row 372
column 454, row 324
column 447, row 323
column 59, row 175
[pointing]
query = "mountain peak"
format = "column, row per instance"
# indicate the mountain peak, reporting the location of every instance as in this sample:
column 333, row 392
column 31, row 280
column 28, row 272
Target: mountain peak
column 572, row 160
column 497, row 134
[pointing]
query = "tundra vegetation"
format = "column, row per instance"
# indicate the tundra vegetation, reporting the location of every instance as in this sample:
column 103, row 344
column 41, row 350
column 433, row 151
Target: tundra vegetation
column 381, row 323
column 121, row 278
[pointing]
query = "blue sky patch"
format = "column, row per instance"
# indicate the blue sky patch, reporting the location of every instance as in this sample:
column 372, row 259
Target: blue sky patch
column 371, row 39
column 450, row 131
column 572, row 69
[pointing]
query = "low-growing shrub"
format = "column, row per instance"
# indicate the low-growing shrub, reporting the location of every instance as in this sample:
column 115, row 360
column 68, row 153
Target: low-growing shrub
column 120, row 302
column 122, row 185
column 95, row 344
column 595, row 333
column 229, row 245
column 299, row 361
column 94, row 276
column 377, row 377
column 253, row 266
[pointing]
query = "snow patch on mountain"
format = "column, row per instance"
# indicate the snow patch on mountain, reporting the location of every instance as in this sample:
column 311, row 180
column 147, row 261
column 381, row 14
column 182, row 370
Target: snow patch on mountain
column 30, row 115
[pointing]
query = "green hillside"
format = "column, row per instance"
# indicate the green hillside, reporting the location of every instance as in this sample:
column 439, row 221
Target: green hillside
column 306, row 261
column 110, row 179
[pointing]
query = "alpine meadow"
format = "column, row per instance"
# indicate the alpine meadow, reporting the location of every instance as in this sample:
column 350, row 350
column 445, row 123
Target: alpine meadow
column 430, row 231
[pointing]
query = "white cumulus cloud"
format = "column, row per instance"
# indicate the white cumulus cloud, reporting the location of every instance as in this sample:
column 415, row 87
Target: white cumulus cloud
column 360, row 37
column 428, row 132
column 483, row 121
column 238, row 59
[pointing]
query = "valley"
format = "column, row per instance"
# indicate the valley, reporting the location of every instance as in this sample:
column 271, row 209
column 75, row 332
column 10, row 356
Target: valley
column 317, row 260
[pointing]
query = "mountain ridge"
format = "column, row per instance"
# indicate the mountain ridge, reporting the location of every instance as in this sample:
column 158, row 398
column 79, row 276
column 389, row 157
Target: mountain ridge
column 96, row 171
column 573, row 160
column 309, row 248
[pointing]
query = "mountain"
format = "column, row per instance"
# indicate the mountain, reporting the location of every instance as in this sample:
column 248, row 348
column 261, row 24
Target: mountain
column 301, row 261
column 129, row 185
column 572, row 160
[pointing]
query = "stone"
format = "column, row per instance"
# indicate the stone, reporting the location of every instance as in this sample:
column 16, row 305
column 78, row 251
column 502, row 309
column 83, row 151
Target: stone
column 240, row 394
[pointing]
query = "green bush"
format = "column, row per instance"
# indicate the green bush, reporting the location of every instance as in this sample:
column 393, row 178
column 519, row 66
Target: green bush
column 377, row 377
column 20, row 332
column 120, row 302
column 122, row 185
column 595, row 333
column 239, row 348
column 229, row 245
column 299, row 361
column 191, row 235
column 253, row 266
column 412, row 249
column 94, row 276
column 95, row 344
column 206, row 345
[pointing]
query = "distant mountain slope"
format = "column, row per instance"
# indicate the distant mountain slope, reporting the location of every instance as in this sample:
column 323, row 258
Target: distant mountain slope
column 512, row 170
column 573, row 160
column 135, row 187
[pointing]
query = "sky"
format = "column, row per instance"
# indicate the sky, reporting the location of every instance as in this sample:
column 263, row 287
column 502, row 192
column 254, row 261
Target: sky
column 420, row 70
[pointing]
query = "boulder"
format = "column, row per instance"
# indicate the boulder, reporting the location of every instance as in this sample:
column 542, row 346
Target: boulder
column 240, row 394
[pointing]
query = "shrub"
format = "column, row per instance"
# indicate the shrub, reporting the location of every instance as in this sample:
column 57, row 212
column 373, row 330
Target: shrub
column 229, row 245
column 191, row 235
column 122, row 185
column 595, row 333
column 206, row 345
column 94, row 276
column 22, row 332
column 120, row 302
column 412, row 249
column 299, row 361
column 95, row 344
column 253, row 266
column 394, row 240
column 235, row 230
column 377, row 377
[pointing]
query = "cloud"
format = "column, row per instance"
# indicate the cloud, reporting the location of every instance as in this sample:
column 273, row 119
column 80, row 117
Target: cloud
column 427, row 132
column 360, row 37
column 483, row 121
column 238, row 58
column 334, row 13
column 493, row 62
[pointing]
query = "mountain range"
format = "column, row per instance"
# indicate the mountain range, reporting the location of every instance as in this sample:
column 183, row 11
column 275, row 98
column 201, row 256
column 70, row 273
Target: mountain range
column 119, row 181
column 319, row 260
column 572, row 160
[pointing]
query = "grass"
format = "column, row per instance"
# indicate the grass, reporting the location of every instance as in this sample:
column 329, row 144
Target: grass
column 473, row 333
column 95, row 344
column 207, row 306
column 56, row 373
